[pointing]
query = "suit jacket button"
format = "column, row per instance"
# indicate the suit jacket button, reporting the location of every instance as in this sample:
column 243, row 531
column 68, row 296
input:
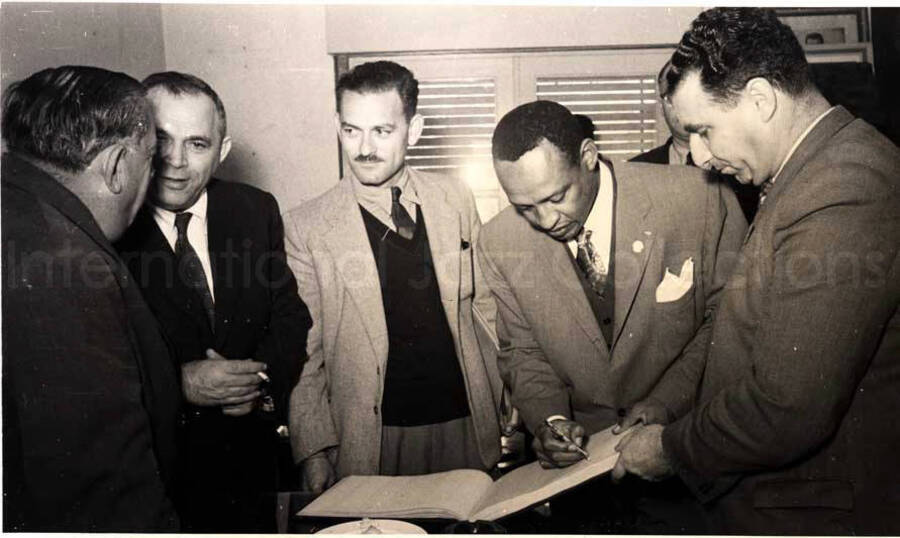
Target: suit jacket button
column 607, row 321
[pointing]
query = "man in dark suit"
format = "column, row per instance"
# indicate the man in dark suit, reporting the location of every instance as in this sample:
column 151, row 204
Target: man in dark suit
column 604, row 276
column 795, row 431
column 677, row 150
column 90, row 397
column 209, row 256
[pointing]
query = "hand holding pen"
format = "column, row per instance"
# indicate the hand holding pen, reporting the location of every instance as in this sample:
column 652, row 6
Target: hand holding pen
column 558, row 442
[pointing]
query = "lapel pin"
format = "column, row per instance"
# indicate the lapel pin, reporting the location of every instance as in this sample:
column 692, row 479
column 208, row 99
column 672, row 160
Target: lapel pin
column 637, row 247
column 648, row 233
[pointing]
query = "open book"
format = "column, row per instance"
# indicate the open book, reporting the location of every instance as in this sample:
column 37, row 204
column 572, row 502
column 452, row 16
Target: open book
column 463, row 494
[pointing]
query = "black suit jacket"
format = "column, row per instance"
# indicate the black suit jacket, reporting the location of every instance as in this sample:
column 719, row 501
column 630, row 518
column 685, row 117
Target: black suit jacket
column 657, row 155
column 90, row 397
column 258, row 312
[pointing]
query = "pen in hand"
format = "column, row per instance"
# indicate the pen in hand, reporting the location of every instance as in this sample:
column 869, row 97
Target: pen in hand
column 562, row 436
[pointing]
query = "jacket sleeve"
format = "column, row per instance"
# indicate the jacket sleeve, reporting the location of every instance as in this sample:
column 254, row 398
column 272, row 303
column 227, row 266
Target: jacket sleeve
column 832, row 289
column 283, row 347
column 723, row 235
column 311, row 426
column 484, row 309
column 536, row 390
column 78, row 449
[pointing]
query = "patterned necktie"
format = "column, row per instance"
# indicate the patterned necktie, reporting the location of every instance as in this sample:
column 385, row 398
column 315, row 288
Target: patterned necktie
column 590, row 264
column 189, row 267
column 404, row 223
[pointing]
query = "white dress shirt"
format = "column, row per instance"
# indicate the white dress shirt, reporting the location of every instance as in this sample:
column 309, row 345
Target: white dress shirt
column 197, row 234
column 600, row 219
column 378, row 200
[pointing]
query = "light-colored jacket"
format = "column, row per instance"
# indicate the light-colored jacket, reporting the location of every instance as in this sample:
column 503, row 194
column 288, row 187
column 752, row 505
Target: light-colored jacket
column 338, row 400
column 553, row 355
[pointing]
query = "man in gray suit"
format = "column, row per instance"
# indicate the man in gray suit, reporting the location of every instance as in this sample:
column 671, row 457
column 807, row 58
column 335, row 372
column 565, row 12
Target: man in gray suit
column 396, row 381
column 795, row 431
column 604, row 276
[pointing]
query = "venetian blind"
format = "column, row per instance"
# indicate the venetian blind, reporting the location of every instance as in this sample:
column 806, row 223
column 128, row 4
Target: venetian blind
column 460, row 115
column 622, row 109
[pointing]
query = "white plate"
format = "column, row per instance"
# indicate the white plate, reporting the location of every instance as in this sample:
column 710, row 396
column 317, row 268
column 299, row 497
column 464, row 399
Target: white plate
column 374, row 526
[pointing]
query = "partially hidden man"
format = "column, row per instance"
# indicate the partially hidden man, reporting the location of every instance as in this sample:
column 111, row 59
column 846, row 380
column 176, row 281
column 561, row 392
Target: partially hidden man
column 396, row 382
column 209, row 257
column 677, row 150
column 795, row 430
column 605, row 275
column 90, row 396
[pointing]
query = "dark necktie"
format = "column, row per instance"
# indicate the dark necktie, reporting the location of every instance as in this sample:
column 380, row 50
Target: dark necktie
column 590, row 264
column 190, row 269
column 689, row 161
column 404, row 223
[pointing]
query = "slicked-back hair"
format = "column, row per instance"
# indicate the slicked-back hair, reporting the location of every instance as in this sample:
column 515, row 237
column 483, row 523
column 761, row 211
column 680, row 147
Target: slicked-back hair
column 186, row 84
column 381, row 76
column 729, row 46
column 523, row 128
column 66, row 116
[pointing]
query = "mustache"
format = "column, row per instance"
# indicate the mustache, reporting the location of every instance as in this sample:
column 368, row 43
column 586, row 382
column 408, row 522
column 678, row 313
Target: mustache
column 367, row 158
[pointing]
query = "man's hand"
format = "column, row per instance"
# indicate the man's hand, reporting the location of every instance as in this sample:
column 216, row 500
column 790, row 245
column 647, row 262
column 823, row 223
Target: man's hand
column 216, row 381
column 318, row 473
column 553, row 451
column 647, row 412
column 641, row 453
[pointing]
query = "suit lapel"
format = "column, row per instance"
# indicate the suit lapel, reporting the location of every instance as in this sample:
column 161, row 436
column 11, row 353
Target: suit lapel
column 827, row 127
column 157, row 268
column 560, row 270
column 634, row 243
column 224, row 238
column 442, row 222
column 349, row 246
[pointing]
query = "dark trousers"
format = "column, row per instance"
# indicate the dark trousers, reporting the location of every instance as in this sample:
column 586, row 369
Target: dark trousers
column 228, row 476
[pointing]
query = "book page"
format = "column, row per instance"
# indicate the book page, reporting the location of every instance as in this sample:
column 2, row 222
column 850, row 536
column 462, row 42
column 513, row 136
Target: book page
column 531, row 484
column 451, row 495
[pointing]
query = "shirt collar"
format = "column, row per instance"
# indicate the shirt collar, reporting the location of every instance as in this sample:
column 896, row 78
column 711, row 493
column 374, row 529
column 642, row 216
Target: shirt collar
column 798, row 141
column 198, row 210
column 598, row 214
column 380, row 196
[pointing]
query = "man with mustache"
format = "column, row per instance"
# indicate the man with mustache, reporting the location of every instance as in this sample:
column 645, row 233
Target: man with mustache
column 396, row 382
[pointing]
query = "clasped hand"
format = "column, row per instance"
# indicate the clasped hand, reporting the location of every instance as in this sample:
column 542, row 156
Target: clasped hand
column 215, row 381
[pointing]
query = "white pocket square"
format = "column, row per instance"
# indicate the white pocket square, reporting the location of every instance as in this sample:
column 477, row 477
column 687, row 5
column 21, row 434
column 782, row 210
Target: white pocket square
column 674, row 287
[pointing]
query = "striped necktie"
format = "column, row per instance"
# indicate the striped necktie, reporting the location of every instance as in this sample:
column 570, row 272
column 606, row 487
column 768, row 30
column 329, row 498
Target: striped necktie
column 404, row 223
column 190, row 269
